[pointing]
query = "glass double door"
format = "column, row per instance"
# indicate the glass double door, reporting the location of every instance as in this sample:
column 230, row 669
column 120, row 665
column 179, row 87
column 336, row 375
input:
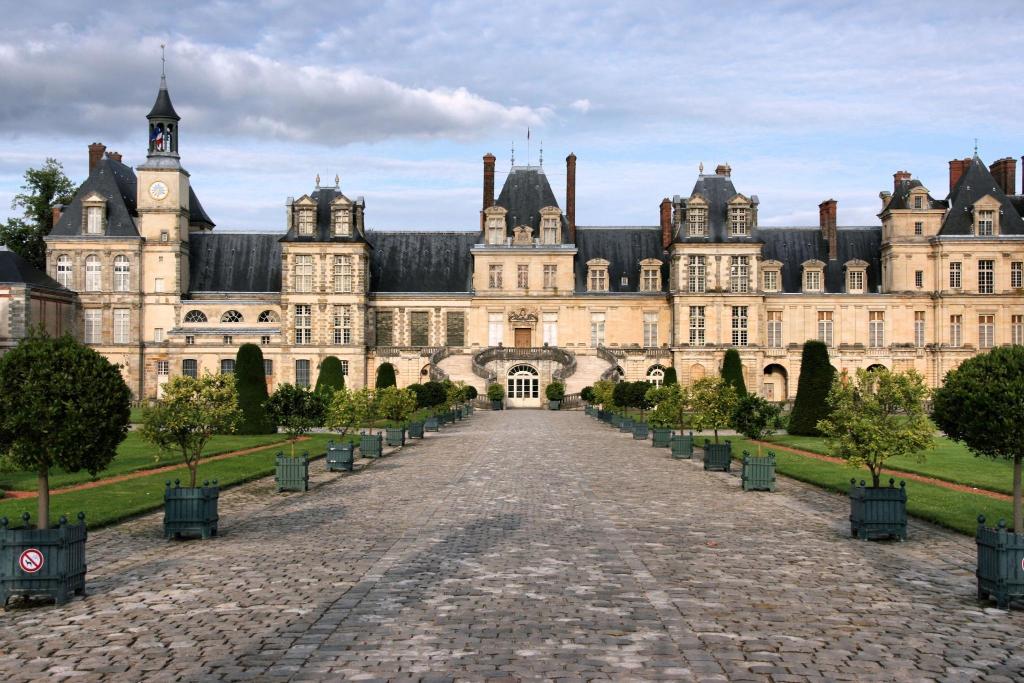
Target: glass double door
column 523, row 387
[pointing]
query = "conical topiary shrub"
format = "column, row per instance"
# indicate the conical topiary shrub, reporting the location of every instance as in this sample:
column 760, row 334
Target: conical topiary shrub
column 251, row 381
column 816, row 373
column 670, row 376
column 732, row 372
column 331, row 376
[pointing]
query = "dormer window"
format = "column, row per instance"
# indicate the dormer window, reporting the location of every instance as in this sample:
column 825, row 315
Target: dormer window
column 650, row 275
column 494, row 225
column 918, row 202
column 550, row 225
column 94, row 209
column 738, row 222
column 856, row 276
column 306, row 222
column 696, row 220
column 813, row 276
column 986, row 216
column 597, row 275
column 771, row 273
column 342, row 222
column 986, row 222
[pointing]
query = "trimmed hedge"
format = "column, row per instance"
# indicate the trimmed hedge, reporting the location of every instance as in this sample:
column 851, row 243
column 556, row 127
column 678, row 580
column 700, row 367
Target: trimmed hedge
column 251, row 381
column 816, row 374
column 732, row 372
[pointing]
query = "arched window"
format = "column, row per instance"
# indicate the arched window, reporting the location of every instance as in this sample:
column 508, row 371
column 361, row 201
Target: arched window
column 231, row 317
column 523, row 382
column 268, row 317
column 64, row 270
column 195, row 316
column 656, row 375
column 122, row 271
column 93, row 271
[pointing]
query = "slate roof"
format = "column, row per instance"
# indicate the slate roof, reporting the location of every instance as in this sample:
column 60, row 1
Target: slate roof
column 526, row 191
column 624, row 248
column 114, row 181
column 716, row 190
column 975, row 183
column 234, row 262
column 794, row 246
column 163, row 108
column 14, row 270
column 421, row 261
column 324, row 231
column 901, row 197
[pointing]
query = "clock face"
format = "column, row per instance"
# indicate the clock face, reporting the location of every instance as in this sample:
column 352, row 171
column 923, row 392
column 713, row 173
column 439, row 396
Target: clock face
column 158, row 190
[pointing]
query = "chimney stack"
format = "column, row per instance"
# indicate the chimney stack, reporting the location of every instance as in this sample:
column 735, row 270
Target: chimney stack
column 116, row 156
column 666, row 222
column 827, row 221
column 96, row 151
column 957, row 167
column 897, row 178
column 570, row 195
column 723, row 169
column 55, row 212
column 488, row 200
column 1005, row 173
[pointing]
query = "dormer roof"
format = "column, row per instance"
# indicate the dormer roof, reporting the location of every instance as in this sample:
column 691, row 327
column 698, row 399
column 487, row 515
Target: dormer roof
column 526, row 191
column 975, row 183
column 324, row 199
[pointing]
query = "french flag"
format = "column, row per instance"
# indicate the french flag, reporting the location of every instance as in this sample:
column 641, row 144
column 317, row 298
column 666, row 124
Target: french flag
column 156, row 138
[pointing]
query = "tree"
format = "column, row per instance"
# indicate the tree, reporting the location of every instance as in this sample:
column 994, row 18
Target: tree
column 732, row 371
column 670, row 376
column 638, row 396
column 811, row 405
column 622, row 393
column 61, row 405
column 876, row 416
column 297, row 410
column 671, row 405
column 471, row 392
column 587, row 394
column 495, row 392
column 191, row 411
column 455, row 393
column 434, row 394
column 603, row 390
column 351, row 409
column 555, row 391
column 385, row 376
column 395, row 404
column 44, row 188
column 756, row 418
column 981, row 404
column 251, row 382
column 714, row 403
column 331, row 377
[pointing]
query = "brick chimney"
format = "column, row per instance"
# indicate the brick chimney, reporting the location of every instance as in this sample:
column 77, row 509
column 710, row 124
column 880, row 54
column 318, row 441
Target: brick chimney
column 488, row 200
column 116, row 156
column 666, row 222
column 1004, row 171
column 957, row 167
column 897, row 178
column 827, row 221
column 96, row 151
column 55, row 212
column 723, row 169
column 570, row 195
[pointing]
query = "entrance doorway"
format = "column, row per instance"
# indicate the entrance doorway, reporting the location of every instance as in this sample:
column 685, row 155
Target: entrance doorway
column 523, row 337
column 523, row 387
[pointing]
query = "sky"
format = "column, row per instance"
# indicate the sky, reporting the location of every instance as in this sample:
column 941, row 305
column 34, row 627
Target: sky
column 805, row 101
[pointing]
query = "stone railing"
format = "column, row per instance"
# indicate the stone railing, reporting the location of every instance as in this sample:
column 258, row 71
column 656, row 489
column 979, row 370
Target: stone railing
column 535, row 353
column 436, row 373
column 571, row 401
column 612, row 358
column 393, row 351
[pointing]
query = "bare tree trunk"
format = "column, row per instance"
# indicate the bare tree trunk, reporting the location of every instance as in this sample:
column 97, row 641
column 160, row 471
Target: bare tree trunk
column 876, row 475
column 1018, row 519
column 193, row 469
column 44, row 499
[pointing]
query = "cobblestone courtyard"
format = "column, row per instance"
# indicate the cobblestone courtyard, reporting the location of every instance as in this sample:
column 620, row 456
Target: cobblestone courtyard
column 522, row 544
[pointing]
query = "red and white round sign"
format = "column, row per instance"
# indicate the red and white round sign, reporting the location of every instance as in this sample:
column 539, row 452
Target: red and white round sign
column 31, row 561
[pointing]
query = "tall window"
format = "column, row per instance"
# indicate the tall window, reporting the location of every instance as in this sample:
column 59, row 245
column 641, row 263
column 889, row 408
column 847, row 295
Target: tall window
column 268, row 367
column 227, row 366
column 158, row 334
column 523, row 276
column 650, row 329
column 986, row 276
column 550, row 276
column 855, row 282
column 738, row 221
column 955, row 273
column 550, row 329
column 344, row 367
column 698, row 274
column 455, row 328
column 739, row 274
column 775, row 329
column 1017, row 330
column 986, row 331
column 495, row 230
column 1016, row 273
column 342, row 274
column 342, row 325
column 919, row 328
column 956, row 338
column 919, row 278
column 650, row 279
column 385, row 328
column 598, row 279
column 739, row 325
column 812, row 280
column 494, row 276
column 121, row 272
column 306, row 221
column 697, row 326
column 190, row 367
column 918, row 202
column 876, row 329
column 549, row 230
column 342, row 222
column 697, row 222
column 163, row 368
column 495, row 329
column 64, row 270
column 303, row 324
column 771, row 280
column 825, row 327
column 302, row 373
column 122, row 318
column 918, row 228
column 94, row 220
column 596, row 329
column 304, row 273
column 986, row 221
column 93, row 325
column 93, row 271
column 419, row 328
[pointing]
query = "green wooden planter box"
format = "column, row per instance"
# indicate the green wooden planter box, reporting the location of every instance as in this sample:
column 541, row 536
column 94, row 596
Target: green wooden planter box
column 465, row 411
column 682, row 446
column 605, row 416
column 495, row 404
column 455, row 414
column 191, row 511
column 554, row 405
column 717, row 456
column 640, row 431
column 878, row 512
column 371, row 445
column 292, row 473
column 395, row 436
column 431, row 424
column 1000, row 570
column 340, row 457
column 758, row 473
column 626, row 425
column 661, row 437
column 415, row 430
column 57, row 567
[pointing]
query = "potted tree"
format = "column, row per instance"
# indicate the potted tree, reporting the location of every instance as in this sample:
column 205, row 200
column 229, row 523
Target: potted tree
column 555, row 392
column 875, row 416
column 638, row 399
column 663, row 417
column 980, row 406
column 714, row 402
column 431, row 397
column 61, row 405
column 297, row 410
column 587, row 396
column 757, row 419
column 191, row 411
column 622, row 397
column 349, row 410
column 602, row 391
column 396, row 405
column 471, row 394
column 496, row 393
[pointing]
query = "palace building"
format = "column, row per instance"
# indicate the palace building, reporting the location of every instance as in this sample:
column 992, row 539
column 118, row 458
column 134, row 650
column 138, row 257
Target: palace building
column 525, row 295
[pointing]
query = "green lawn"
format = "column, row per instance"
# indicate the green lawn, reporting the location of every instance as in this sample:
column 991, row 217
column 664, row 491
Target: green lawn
column 136, row 417
column 134, row 454
column 113, row 502
column 948, row 461
column 953, row 509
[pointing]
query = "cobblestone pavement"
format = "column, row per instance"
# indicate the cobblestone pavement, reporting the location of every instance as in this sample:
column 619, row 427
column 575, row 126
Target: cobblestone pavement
column 522, row 545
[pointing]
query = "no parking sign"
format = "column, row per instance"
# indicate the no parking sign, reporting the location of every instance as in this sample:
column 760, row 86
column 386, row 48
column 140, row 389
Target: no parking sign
column 31, row 560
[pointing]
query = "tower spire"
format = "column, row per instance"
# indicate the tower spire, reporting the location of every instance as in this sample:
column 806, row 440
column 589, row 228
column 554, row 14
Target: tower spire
column 163, row 120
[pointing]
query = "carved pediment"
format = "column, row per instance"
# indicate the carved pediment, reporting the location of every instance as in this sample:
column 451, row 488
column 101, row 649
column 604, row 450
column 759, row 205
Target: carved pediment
column 522, row 234
column 523, row 317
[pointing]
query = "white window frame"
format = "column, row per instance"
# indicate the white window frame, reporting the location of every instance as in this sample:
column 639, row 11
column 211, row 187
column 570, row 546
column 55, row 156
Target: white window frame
column 986, row 331
column 855, row 281
column 956, row 330
column 697, row 271
column 1016, row 274
column 550, row 329
column 650, row 279
column 342, row 222
column 876, row 329
column 1017, row 329
column 190, row 367
column 302, row 373
column 303, row 268
column 343, row 274
column 812, row 280
column 495, row 276
column 771, row 280
column 739, row 274
column 919, row 328
column 698, row 326
column 65, row 271
column 92, row 332
column 94, row 220
column 158, row 334
column 122, row 325
column 986, row 276
column 956, row 272
column 650, row 329
column 549, row 230
column 697, row 222
column 303, row 324
column 986, row 222
column 826, row 327
column 550, row 276
column 306, row 220
column 93, row 273
column 122, row 273
column 597, row 328
column 739, row 223
column 740, row 326
column 775, row 329
column 522, row 276
column 495, row 329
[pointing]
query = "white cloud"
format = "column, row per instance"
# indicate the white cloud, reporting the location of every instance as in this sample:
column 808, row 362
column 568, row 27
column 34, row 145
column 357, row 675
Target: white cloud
column 582, row 106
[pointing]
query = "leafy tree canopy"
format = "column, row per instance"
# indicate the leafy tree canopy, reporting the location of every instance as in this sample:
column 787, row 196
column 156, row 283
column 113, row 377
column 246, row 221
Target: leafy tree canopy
column 395, row 404
column 351, row 409
column 297, row 410
column 756, row 418
column 670, row 376
column 43, row 189
column 603, row 393
column 671, row 406
column 714, row 403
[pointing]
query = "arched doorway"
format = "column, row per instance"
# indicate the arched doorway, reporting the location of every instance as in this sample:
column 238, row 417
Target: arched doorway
column 877, row 366
column 776, row 383
column 523, row 387
column 696, row 372
column 656, row 375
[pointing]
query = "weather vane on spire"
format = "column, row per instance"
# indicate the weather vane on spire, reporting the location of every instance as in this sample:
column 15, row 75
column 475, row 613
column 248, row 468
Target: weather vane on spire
column 163, row 62
column 513, row 152
column 975, row 146
column 541, row 152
